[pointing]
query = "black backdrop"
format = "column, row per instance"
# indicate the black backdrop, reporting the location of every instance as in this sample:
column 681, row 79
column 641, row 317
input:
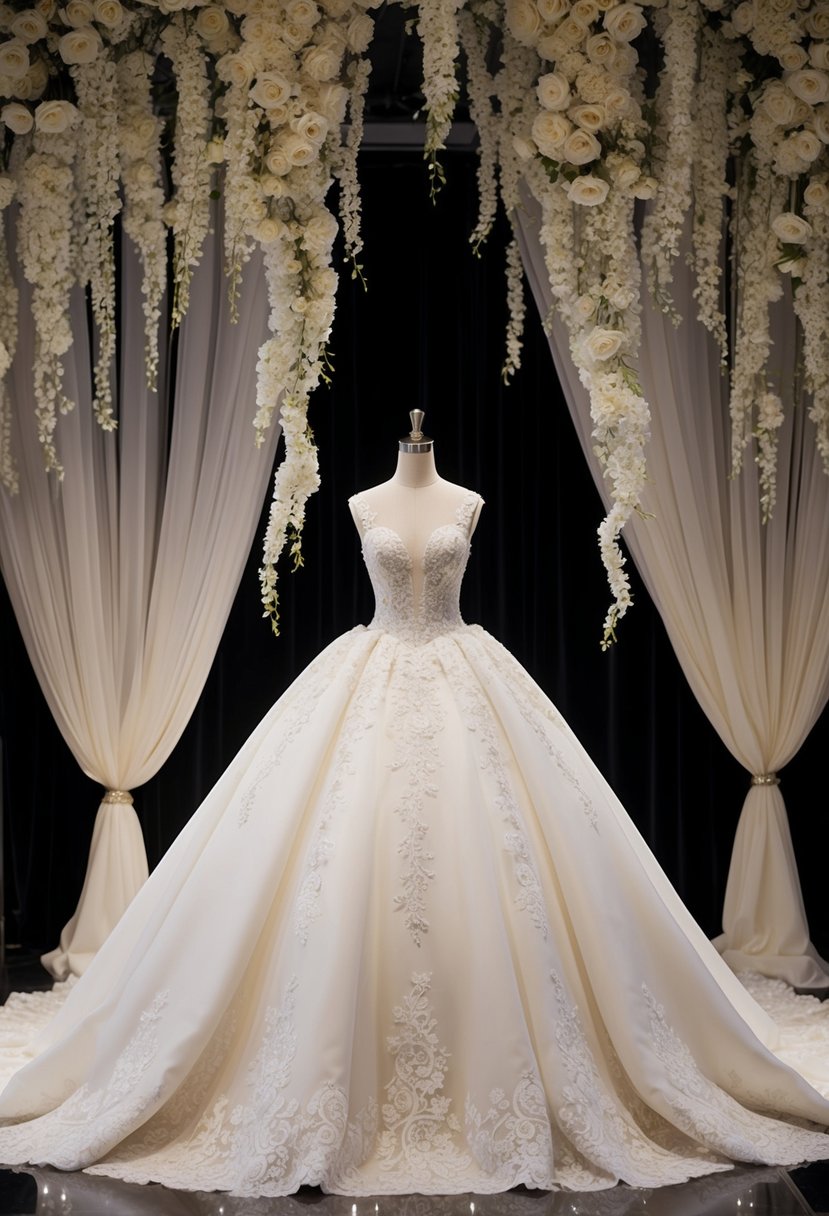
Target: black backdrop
column 428, row 333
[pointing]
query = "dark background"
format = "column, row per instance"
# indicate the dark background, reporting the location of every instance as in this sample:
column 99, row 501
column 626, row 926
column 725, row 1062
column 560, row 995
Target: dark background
column 428, row 333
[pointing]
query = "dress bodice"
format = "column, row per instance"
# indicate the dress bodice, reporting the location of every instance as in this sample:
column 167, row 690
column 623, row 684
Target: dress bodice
column 436, row 609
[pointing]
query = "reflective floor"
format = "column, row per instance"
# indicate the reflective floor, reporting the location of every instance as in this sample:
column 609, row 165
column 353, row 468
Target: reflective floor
column 760, row 1192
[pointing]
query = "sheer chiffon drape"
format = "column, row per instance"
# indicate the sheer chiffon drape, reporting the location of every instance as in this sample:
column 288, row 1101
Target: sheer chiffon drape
column 122, row 575
column 745, row 604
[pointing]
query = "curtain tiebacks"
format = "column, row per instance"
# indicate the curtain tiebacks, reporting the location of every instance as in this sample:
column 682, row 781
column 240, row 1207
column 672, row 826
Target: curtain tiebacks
column 757, row 779
column 122, row 797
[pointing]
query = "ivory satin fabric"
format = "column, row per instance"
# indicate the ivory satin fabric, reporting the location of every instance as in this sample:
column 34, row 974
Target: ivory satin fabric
column 410, row 942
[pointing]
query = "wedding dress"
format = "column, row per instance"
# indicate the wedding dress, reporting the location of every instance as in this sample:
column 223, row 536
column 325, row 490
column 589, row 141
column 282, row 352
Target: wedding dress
column 410, row 942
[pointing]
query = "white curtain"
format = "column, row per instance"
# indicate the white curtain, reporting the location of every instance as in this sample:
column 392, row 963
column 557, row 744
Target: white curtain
column 746, row 605
column 123, row 574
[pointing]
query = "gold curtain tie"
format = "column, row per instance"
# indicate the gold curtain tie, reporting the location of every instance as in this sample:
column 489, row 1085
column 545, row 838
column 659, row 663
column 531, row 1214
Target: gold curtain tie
column 122, row 797
column 765, row 779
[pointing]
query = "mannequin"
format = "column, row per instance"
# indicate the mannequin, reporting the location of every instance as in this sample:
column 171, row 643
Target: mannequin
column 415, row 500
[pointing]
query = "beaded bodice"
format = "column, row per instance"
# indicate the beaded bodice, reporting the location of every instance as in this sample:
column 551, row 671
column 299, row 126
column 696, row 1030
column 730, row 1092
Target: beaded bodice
column 436, row 609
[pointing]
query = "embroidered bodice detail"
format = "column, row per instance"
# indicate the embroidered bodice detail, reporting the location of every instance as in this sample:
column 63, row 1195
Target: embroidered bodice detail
column 390, row 566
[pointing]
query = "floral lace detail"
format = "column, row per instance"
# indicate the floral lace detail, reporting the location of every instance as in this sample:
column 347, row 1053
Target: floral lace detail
column 513, row 1136
column 90, row 1121
column 541, row 715
column 366, row 516
column 360, row 718
column 478, row 715
column 417, row 720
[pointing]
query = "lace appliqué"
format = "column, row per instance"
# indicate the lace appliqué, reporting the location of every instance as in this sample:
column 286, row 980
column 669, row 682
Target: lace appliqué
column 417, row 720
column 479, row 718
column 513, row 1136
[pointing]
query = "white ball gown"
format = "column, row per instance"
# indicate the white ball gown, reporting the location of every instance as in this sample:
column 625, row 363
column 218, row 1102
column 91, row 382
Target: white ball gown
column 410, row 942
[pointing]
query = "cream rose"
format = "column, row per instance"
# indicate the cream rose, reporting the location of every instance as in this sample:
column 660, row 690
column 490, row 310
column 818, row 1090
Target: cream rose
column 109, row 13
column 302, row 12
column 589, row 117
column 821, row 122
column 624, row 22
column 779, row 104
column 331, row 100
column 587, row 190
column 584, row 12
column 580, row 148
column 298, row 151
column 14, row 59
column 553, row 91
column 140, row 174
column 817, row 23
column 584, row 307
column 336, row 8
column 624, row 170
column 78, row 13
column 212, row 21
column 360, row 33
column 46, row 8
column 602, row 344
column 319, row 233
column 321, row 62
column 277, row 162
column 569, row 33
column 311, row 126
column 28, row 26
column 38, row 77
column 743, row 17
column 792, row 57
column 806, row 145
column 646, row 187
column 17, row 118
column 549, row 130
column 271, row 89
column 277, row 115
column 791, row 229
column 552, row 10
column 268, row 229
column 523, row 21
column 255, row 29
column 618, row 103
column 55, row 117
column 816, row 194
column 809, row 85
column 525, row 149
column 271, row 185
column 236, row 68
column 82, row 45
column 601, row 49
column 819, row 55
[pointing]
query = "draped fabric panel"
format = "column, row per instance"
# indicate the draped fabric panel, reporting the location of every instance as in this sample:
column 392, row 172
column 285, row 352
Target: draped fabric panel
column 746, row 605
column 122, row 575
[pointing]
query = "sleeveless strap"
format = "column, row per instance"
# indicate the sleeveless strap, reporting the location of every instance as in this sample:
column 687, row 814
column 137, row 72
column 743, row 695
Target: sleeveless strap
column 466, row 511
column 364, row 512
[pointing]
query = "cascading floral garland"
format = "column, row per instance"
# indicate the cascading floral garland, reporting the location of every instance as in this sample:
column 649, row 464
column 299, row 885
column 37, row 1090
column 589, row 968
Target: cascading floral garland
column 728, row 142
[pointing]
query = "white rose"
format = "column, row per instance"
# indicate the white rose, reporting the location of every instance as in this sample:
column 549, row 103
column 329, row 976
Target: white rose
column 569, row 33
column 646, row 187
column 17, row 117
column 584, row 12
column 268, row 229
column 816, row 194
column 28, row 26
column 743, row 17
column 55, row 117
column 601, row 49
column 602, row 344
column 140, row 174
column 321, row 62
column 806, row 145
column 298, row 151
column 19, row 89
column 618, row 103
column 311, row 126
column 255, row 29
column 319, row 233
column 14, row 59
column 302, row 12
column 524, row 148
column 819, row 55
column 549, row 130
column 624, row 22
column 821, row 123
column 109, row 13
column 587, row 190
column 271, row 185
column 277, row 115
column 809, row 85
column 78, row 13
column 277, row 162
column 625, row 62
column 215, row 151
column 792, row 57
column 588, row 117
column 791, row 229
column 46, row 8
column 271, row 89
column 793, row 264
column 624, row 170
column 552, row 10
column 580, row 147
column 780, row 105
column 82, row 45
column 331, row 100
column 584, row 307
column 212, row 22
column 360, row 33
column 236, row 68
column 38, row 77
column 523, row 21
column 553, row 91
column 817, row 23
